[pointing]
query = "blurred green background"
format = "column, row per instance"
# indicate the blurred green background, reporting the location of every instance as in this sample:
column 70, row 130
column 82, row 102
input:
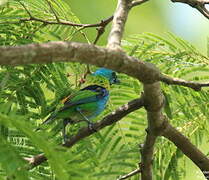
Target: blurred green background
column 154, row 16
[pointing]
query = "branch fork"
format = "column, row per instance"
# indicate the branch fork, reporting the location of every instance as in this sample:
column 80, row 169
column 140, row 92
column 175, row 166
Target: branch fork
column 114, row 58
column 200, row 5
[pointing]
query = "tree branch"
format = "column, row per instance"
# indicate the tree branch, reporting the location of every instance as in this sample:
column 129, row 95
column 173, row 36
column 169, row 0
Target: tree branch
column 154, row 101
column 23, row 5
column 85, row 132
column 190, row 150
column 175, row 81
column 82, row 52
column 147, row 157
column 136, row 171
column 101, row 28
column 79, row 52
column 198, row 4
column 62, row 22
column 159, row 126
column 68, row 23
column 138, row 2
column 119, row 20
column 53, row 11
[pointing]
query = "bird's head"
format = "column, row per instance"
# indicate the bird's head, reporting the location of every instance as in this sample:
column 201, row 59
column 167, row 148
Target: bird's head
column 107, row 73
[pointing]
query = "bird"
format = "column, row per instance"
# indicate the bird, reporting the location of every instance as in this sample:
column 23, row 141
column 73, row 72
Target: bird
column 87, row 103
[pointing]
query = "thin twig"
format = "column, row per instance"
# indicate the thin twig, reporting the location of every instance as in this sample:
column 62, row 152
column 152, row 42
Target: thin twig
column 23, row 5
column 101, row 28
column 53, row 11
column 103, row 23
column 138, row 2
column 147, row 156
column 175, row 81
column 204, row 11
column 62, row 51
column 63, row 22
column 136, row 171
column 154, row 101
column 197, row 4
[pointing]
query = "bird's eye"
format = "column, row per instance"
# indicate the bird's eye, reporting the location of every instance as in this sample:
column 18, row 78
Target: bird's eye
column 113, row 74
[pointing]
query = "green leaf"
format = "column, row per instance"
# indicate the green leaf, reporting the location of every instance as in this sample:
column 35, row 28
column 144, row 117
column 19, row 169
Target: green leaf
column 167, row 105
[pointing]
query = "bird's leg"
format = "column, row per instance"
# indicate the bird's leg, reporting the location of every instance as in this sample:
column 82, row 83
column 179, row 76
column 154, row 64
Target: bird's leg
column 65, row 123
column 90, row 124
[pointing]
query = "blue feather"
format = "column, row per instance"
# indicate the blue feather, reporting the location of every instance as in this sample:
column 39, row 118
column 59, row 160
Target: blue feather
column 77, row 106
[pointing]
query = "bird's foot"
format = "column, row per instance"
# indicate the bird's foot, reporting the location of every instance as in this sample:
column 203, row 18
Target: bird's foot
column 65, row 138
column 91, row 127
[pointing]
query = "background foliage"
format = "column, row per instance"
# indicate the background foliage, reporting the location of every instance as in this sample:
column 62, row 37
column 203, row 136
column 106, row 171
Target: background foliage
column 29, row 93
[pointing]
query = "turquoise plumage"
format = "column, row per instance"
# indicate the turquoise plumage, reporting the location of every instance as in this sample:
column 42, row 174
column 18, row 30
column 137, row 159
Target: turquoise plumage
column 87, row 103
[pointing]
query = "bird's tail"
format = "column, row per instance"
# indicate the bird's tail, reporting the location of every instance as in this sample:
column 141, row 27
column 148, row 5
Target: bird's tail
column 47, row 121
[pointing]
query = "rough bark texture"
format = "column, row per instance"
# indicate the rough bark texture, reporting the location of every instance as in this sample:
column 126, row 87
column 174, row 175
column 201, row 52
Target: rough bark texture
column 154, row 99
column 119, row 21
column 79, row 52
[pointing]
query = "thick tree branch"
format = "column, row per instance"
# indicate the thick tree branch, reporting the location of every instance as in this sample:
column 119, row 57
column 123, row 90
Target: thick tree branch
column 175, row 81
column 190, row 150
column 119, row 20
column 89, row 54
column 154, row 101
column 101, row 28
column 147, row 157
column 79, row 52
column 198, row 4
column 157, row 126
column 85, row 132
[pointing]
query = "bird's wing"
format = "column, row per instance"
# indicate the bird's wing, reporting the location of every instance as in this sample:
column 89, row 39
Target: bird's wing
column 81, row 97
column 78, row 98
column 88, row 94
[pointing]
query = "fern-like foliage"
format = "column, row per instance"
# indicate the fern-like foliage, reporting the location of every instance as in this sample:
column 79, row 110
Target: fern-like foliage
column 186, row 108
column 29, row 93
